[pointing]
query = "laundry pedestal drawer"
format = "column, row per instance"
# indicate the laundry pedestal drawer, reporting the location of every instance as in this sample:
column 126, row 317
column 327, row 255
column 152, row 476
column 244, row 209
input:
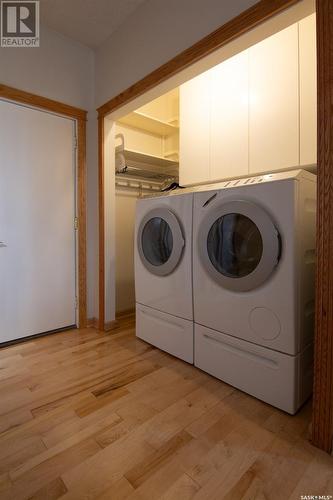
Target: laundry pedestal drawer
column 278, row 379
column 165, row 331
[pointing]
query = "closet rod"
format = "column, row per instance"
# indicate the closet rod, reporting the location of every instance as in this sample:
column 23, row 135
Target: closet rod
column 130, row 170
column 138, row 185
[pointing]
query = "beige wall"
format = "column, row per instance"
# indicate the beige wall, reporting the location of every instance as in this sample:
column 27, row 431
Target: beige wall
column 62, row 69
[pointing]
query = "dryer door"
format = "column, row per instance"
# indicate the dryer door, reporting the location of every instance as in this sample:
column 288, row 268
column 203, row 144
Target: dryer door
column 160, row 241
column 239, row 245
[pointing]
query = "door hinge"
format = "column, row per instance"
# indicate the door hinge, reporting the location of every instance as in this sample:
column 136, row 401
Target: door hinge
column 76, row 223
column 75, row 142
column 76, row 303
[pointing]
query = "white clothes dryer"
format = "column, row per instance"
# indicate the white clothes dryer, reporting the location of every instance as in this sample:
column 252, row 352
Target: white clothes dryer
column 163, row 272
column 253, row 284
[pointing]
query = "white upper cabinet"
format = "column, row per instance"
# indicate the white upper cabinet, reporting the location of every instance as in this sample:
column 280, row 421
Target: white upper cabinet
column 274, row 102
column 253, row 113
column 194, row 129
column 229, row 118
column 308, row 90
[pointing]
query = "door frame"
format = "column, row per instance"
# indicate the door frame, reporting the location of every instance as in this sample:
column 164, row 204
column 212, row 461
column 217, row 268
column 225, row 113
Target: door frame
column 80, row 116
column 322, row 421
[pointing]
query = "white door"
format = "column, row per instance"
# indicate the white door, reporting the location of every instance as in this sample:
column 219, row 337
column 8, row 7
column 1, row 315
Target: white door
column 37, row 210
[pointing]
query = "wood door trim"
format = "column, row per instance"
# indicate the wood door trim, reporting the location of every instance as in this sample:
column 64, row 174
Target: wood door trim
column 237, row 26
column 37, row 101
column 322, row 424
column 82, row 221
column 80, row 115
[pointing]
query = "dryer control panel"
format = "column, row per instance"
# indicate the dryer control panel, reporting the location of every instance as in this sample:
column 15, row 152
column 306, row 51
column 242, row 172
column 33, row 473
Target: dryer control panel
column 248, row 180
column 258, row 179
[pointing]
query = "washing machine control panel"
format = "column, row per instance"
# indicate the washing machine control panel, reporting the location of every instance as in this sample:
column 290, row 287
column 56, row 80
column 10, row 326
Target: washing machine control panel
column 258, row 179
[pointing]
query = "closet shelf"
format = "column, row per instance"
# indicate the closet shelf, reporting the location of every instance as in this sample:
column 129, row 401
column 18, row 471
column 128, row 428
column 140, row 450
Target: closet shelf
column 148, row 124
column 137, row 184
column 137, row 156
column 173, row 153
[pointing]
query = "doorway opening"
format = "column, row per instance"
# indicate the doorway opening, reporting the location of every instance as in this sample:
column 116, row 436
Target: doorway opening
column 150, row 147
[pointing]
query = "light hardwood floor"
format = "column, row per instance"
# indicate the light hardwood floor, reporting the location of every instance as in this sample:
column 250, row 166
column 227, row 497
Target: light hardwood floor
column 86, row 415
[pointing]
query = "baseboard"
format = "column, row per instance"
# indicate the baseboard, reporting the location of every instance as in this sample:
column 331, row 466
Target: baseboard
column 110, row 325
column 125, row 313
column 92, row 323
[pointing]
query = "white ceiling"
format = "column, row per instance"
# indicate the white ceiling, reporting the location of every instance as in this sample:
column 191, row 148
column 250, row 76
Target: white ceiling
column 90, row 22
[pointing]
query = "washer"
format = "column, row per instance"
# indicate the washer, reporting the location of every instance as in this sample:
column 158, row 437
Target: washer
column 163, row 272
column 253, row 284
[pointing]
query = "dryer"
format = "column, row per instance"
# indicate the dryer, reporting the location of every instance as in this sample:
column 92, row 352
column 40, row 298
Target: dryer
column 163, row 272
column 253, row 284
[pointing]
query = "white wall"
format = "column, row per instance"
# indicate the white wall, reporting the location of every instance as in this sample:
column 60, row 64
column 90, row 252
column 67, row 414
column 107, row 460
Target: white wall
column 63, row 70
column 125, row 221
column 109, row 220
column 60, row 69
column 152, row 35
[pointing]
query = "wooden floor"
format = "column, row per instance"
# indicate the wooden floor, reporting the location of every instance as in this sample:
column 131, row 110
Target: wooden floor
column 86, row 415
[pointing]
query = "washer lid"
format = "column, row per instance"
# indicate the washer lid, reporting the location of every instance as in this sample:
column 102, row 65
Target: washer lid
column 239, row 245
column 160, row 241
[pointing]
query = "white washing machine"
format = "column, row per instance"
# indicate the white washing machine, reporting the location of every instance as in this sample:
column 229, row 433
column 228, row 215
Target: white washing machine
column 163, row 272
column 253, row 284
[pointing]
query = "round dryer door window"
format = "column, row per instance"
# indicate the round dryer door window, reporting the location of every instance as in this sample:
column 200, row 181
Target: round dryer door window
column 234, row 245
column 239, row 245
column 160, row 241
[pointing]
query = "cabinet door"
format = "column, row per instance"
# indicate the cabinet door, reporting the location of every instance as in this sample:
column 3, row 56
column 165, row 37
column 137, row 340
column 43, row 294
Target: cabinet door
column 229, row 118
column 274, row 118
column 194, row 130
column 308, row 90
